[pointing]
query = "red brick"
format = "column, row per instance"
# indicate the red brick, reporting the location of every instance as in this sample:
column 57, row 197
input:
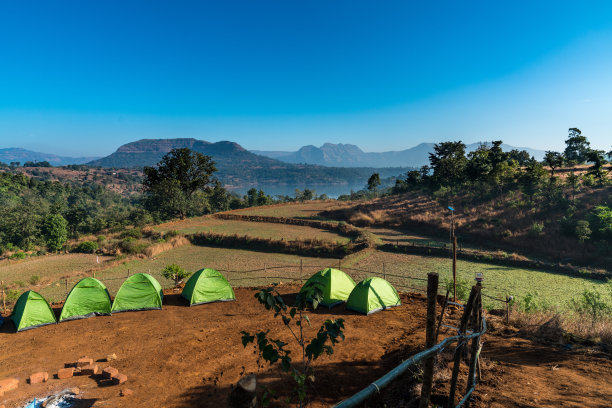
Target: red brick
column 109, row 372
column 89, row 370
column 63, row 373
column 39, row 377
column 84, row 361
column 119, row 378
column 124, row 392
column 9, row 384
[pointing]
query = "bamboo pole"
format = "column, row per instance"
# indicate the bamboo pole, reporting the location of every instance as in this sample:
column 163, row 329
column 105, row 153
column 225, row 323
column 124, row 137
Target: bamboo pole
column 430, row 341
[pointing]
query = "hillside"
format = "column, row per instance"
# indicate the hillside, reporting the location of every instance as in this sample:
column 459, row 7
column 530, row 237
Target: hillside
column 239, row 168
column 348, row 155
column 16, row 154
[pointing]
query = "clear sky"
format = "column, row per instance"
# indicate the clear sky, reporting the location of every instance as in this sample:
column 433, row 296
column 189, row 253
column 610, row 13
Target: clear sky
column 83, row 77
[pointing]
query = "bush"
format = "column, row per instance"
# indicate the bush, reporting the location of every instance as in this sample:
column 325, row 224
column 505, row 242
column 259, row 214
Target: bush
column 592, row 305
column 170, row 234
column 132, row 246
column 18, row 255
column 131, row 233
column 463, row 288
column 87, row 247
column 34, row 279
column 175, row 273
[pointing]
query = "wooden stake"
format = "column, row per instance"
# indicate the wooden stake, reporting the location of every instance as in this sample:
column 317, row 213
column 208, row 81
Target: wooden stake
column 430, row 341
column 507, row 310
column 454, row 269
column 384, row 272
column 442, row 314
column 475, row 350
column 301, row 270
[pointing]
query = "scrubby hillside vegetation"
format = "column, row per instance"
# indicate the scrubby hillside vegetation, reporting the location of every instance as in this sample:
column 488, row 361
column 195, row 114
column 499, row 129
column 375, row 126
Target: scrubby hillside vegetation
column 560, row 209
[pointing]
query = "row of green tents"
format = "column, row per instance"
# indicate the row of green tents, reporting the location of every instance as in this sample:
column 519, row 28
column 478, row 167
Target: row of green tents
column 368, row 296
column 89, row 297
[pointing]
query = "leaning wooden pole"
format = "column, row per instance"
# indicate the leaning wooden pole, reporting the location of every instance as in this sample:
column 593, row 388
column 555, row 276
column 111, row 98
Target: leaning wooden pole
column 476, row 324
column 430, row 338
column 458, row 351
column 454, row 267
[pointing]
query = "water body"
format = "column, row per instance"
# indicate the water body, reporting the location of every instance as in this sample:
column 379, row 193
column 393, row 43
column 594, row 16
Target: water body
column 331, row 190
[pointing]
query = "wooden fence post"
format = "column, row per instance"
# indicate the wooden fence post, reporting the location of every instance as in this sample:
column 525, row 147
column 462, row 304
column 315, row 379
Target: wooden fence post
column 66, row 281
column 475, row 350
column 3, row 297
column 384, row 272
column 428, row 369
column 442, row 315
column 301, row 270
column 458, row 351
column 265, row 269
column 507, row 310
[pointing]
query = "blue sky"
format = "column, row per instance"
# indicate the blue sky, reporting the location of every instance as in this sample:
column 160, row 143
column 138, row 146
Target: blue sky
column 82, row 78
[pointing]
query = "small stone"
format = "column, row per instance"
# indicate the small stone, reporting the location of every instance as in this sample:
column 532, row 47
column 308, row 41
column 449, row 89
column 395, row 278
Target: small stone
column 119, row 378
column 109, row 372
column 64, row 373
column 84, row 361
column 75, row 391
column 126, row 392
column 89, row 370
column 9, row 384
column 111, row 357
column 39, row 377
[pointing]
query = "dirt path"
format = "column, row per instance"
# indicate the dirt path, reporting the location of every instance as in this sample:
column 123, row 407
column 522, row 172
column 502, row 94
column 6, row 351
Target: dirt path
column 190, row 357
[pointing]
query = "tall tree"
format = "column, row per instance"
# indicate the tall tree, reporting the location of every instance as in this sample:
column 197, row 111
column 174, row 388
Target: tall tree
column 596, row 157
column 55, row 231
column 577, row 147
column 170, row 186
column 448, row 162
column 374, row 182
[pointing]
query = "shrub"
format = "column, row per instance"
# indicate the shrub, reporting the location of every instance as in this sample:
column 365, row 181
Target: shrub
column 34, row 279
column 131, row 233
column 18, row 255
column 101, row 238
column 536, row 229
column 590, row 303
column 87, row 247
column 132, row 246
column 170, row 234
column 175, row 273
column 463, row 288
column 12, row 295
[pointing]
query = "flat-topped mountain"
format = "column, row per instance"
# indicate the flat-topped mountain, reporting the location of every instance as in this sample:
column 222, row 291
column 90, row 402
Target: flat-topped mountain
column 239, row 168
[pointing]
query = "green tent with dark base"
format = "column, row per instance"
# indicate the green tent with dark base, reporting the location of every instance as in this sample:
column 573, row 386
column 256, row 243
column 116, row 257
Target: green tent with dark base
column 335, row 284
column 32, row 310
column 372, row 295
column 206, row 286
column 139, row 292
column 87, row 298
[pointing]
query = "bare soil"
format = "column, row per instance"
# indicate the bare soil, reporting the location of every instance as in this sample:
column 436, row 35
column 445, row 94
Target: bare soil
column 190, row 356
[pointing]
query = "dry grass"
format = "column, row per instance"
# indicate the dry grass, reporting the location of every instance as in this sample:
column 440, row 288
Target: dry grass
column 157, row 249
column 308, row 209
column 563, row 327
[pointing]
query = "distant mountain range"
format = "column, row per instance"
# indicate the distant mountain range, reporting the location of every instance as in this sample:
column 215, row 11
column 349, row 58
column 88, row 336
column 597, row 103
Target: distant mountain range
column 348, row 155
column 15, row 154
column 239, row 168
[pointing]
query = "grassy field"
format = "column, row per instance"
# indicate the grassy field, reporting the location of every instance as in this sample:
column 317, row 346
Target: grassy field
column 308, row 210
column 251, row 229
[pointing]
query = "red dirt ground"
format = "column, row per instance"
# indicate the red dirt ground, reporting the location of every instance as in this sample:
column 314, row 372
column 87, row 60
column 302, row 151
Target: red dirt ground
column 190, row 357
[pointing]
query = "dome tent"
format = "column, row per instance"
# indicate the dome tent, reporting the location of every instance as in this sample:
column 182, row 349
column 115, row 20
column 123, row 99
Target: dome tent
column 32, row 310
column 139, row 292
column 87, row 298
column 372, row 295
column 207, row 285
column 335, row 284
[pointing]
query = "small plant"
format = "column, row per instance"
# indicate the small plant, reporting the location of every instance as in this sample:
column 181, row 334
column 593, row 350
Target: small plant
column 530, row 303
column 273, row 350
column 12, row 295
column 175, row 273
column 463, row 288
column 536, row 229
column 34, row 279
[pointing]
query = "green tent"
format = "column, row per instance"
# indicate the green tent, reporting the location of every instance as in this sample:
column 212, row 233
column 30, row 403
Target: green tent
column 207, row 285
column 139, row 292
column 335, row 284
column 87, row 298
column 372, row 295
column 32, row 310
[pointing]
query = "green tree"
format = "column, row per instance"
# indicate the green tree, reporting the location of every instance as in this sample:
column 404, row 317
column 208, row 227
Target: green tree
column 171, row 185
column 448, row 162
column 374, row 182
column 596, row 157
column 574, row 182
column 554, row 160
column 55, row 231
column 576, row 147
column 175, row 273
